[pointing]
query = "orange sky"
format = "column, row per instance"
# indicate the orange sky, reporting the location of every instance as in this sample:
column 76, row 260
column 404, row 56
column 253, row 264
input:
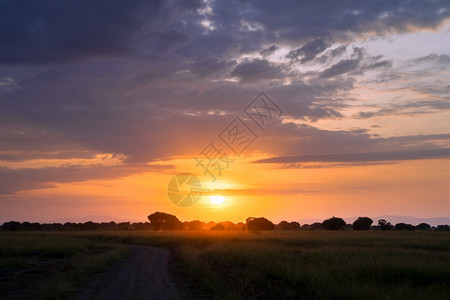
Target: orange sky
column 254, row 190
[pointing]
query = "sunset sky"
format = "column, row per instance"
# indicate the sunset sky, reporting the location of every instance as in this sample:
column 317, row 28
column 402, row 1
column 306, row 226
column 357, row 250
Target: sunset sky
column 103, row 102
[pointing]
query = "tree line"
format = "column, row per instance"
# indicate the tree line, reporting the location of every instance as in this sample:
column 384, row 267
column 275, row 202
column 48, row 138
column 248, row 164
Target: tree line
column 164, row 221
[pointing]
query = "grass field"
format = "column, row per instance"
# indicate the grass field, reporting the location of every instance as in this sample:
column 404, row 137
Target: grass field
column 280, row 264
column 37, row 265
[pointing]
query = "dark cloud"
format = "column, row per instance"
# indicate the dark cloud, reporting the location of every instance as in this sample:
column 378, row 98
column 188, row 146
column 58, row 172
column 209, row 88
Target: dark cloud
column 145, row 78
column 342, row 67
column 293, row 139
column 410, row 108
column 51, row 32
column 361, row 157
column 14, row 180
column 358, row 63
column 332, row 54
column 209, row 65
column 379, row 64
column 441, row 59
column 252, row 70
column 310, row 50
column 269, row 50
column 297, row 22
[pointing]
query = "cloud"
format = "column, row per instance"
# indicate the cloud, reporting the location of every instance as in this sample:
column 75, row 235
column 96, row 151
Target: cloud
column 357, row 64
column 441, row 59
column 208, row 65
column 409, row 108
column 361, row 157
column 342, row 67
column 269, row 50
column 332, row 54
column 27, row 179
column 50, row 32
column 310, row 50
column 148, row 80
column 252, row 70
column 301, row 139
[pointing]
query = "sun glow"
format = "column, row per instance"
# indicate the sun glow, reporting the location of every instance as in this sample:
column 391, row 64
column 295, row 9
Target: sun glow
column 217, row 200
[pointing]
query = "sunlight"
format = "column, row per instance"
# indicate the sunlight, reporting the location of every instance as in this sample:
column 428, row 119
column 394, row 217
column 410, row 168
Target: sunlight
column 217, row 200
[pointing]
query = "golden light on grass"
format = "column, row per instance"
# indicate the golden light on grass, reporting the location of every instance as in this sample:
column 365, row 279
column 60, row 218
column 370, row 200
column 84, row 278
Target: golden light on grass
column 216, row 200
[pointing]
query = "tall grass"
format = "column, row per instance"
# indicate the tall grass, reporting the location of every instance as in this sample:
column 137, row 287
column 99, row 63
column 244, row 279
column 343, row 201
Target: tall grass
column 39, row 265
column 280, row 264
column 309, row 264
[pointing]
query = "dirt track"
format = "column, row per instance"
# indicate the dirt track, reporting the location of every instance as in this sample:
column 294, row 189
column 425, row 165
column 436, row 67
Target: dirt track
column 143, row 275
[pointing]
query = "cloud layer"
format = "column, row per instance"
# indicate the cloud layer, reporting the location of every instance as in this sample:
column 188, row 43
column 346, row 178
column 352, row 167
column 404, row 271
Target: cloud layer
column 151, row 80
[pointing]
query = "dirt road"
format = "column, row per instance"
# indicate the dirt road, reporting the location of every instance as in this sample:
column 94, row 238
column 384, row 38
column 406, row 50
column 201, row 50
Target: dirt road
column 143, row 275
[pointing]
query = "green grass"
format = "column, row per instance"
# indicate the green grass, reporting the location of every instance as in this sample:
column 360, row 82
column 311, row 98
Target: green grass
column 50, row 265
column 280, row 264
column 308, row 264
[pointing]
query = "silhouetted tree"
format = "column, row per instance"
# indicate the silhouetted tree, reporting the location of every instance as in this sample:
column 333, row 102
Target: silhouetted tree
column 284, row 225
column 209, row 225
column 362, row 223
column 11, row 226
column 241, row 226
column 196, row 225
column 316, row 225
column 125, row 226
column 403, row 226
column 217, row 227
column 333, row 223
column 295, row 225
column 228, row 225
column 306, row 226
column 139, row 226
column 385, row 225
column 259, row 224
column 443, row 228
column 423, row 226
column 160, row 220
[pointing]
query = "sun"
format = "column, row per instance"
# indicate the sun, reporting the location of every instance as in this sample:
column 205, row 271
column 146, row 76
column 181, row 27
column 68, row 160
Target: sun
column 217, row 200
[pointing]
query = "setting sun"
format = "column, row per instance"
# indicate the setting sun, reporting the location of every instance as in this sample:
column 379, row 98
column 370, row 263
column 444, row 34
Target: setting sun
column 217, row 200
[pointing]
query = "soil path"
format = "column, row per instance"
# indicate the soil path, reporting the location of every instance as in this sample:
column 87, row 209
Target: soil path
column 143, row 275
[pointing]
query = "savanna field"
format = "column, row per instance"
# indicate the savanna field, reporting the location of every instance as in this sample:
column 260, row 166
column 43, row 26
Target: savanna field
column 235, row 264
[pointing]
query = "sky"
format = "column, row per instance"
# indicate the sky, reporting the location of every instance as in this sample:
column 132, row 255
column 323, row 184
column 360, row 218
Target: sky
column 289, row 110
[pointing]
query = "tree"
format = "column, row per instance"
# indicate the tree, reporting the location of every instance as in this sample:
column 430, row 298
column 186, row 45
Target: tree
column 362, row 223
column 423, row 226
column 11, row 226
column 217, row 227
column 295, row 225
column 196, row 225
column 443, row 228
column 284, row 225
column 259, row 224
column 316, row 225
column 403, row 226
column 333, row 223
column 385, row 225
column 160, row 220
